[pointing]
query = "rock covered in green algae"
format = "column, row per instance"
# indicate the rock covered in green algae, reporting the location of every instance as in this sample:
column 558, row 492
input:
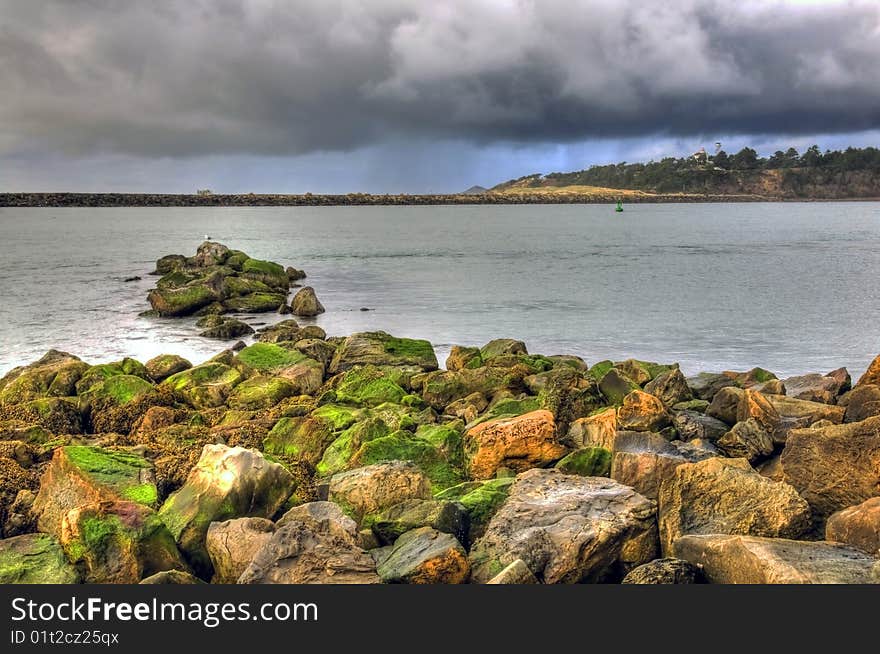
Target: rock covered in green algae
column 227, row 482
column 118, row 542
column 369, row 386
column 382, row 349
column 299, row 438
column 95, row 375
column 223, row 328
column 53, row 375
column 261, row 392
column 425, row 556
column 206, row 386
column 586, row 462
column 480, row 499
column 305, row 303
column 219, row 280
column 442, row 515
column 269, row 357
column 567, row 529
column 80, row 475
column 163, row 366
column 35, row 559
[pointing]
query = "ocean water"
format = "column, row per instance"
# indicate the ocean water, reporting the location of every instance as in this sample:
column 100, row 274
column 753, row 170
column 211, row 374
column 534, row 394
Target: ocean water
column 791, row 287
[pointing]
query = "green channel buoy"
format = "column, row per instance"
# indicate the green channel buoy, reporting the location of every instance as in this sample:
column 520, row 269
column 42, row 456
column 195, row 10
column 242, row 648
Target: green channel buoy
column 619, row 206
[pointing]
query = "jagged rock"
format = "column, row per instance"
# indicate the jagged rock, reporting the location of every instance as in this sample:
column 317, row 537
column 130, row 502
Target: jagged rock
column 463, row 357
column 643, row 412
column 754, row 560
column 516, row 573
column 567, row 529
column 381, row 349
column 692, row 425
column 480, row 499
column 834, row 467
column 644, row 460
column 665, row 571
column 597, row 430
column 502, row 347
column 80, row 475
column 295, row 275
column 751, row 378
column 305, row 303
column 375, row 487
column 172, row 578
column 706, row 385
column 169, row 263
column 670, row 388
column 861, row 403
column 819, row 388
column 55, row 374
column 163, row 366
column 614, row 386
column 587, row 462
column 224, row 328
column 325, row 517
column 519, row 443
column 34, row 559
column 727, row 496
column 445, row 516
column 286, row 330
column 299, row 554
column 118, row 542
column 725, row 404
column 809, row 412
column 872, row 374
column 748, row 440
column 227, row 482
column 467, row 408
column 858, row 526
column 232, row 544
column 425, row 556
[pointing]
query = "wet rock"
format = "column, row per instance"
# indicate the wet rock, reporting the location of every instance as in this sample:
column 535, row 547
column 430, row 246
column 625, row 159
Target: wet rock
column 463, row 357
column 614, row 386
column 519, row 443
column 118, row 542
column 587, row 462
column 834, row 467
column 666, row 571
column 261, row 392
column 223, row 328
column 286, row 330
column 670, row 388
column 54, row 375
column 301, row 438
column 643, row 412
column 502, row 347
column 227, row 482
column 754, row 560
column 567, row 529
column 34, row 559
column 727, row 496
column 751, row 378
column 295, row 275
column 381, row 349
column 206, row 386
column 305, row 303
column 79, row 475
column 375, row 487
column 163, row 366
column 858, row 526
column 299, row 554
column 232, row 544
column 425, row 556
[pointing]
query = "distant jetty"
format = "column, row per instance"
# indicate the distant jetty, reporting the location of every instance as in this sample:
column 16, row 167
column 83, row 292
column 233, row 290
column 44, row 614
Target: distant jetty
column 350, row 199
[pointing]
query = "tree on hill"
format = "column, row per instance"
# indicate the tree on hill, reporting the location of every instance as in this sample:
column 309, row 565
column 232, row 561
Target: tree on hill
column 745, row 159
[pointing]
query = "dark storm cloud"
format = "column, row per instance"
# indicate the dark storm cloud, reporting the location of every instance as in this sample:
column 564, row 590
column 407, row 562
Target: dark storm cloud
column 203, row 77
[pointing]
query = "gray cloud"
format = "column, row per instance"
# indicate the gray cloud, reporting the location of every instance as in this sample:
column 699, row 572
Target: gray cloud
column 196, row 78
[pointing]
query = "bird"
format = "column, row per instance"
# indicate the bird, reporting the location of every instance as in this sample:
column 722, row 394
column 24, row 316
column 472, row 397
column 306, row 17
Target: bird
column 207, row 237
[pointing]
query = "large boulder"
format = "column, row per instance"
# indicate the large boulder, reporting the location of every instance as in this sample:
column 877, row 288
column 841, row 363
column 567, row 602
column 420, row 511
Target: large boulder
column 182, row 301
column 326, row 517
column 819, row 388
column 643, row 412
column 461, row 357
column 227, row 482
column 261, row 392
column 163, row 366
column 861, row 403
column 725, row 404
column 706, row 385
column 691, row 425
column 644, row 460
column 834, row 467
column 232, row 544
column 375, row 487
column 79, row 475
column 118, row 542
column 425, row 556
column 381, row 349
column 298, row 553
column 665, row 571
column 755, row 560
column 53, row 375
column 442, row 515
column 303, row 439
column 670, row 387
column 206, row 386
column 748, row 440
column 858, row 526
column 598, row 430
column 567, row 529
column 805, row 410
column 519, row 443
column 727, row 496
column 872, row 374
column 305, row 303
column 480, row 500
column 35, row 559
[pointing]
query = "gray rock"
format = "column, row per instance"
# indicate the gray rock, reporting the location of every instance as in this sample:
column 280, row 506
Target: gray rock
column 665, row 571
column 425, row 556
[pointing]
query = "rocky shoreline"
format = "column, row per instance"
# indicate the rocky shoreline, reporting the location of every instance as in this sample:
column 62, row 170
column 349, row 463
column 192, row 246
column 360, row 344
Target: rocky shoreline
column 303, row 458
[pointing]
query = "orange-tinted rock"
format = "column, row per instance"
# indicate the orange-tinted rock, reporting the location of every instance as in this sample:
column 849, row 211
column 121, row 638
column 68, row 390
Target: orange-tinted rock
column 643, row 412
column 519, row 443
column 872, row 374
column 858, row 526
column 598, row 430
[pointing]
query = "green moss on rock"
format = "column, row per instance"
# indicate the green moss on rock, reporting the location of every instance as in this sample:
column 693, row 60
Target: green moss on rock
column 368, row 386
column 269, row 356
column 587, row 462
column 34, row 559
column 261, row 392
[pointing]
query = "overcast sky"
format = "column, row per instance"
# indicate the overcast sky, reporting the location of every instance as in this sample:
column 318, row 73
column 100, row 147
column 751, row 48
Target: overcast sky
column 393, row 96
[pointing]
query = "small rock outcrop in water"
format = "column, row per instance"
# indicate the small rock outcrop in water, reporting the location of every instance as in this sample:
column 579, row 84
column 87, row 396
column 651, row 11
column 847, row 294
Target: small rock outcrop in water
column 219, row 280
column 306, row 459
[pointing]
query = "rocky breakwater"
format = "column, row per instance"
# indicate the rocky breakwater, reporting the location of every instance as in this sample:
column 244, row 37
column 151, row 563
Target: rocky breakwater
column 218, row 281
column 308, row 459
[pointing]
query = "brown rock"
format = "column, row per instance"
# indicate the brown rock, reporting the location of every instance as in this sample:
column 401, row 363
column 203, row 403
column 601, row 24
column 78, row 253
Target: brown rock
column 665, row 571
column 597, row 430
column 305, row 303
column 567, row 529
column 643, row 412
column 819, row 388
column 519, row 443
column 516, row 573
column 727, row 496
column 463, row 357
column 834, row 467
column 872, row 374
column 755, row 406
column 753, row 560
column 725, row 404
column 748, row 440
column 861, row 403
column 232, row 545
column 325, row 517
column 670, row 387
column 858, row 526
column 805, row 410
column 425, row 556
column 375, row 487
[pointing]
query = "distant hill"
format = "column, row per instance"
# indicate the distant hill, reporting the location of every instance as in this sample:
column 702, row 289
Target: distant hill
column 848, row 174
column 475, row 190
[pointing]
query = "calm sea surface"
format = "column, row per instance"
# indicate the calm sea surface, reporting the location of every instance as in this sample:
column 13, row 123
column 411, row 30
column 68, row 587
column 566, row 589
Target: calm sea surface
column 791, row 287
